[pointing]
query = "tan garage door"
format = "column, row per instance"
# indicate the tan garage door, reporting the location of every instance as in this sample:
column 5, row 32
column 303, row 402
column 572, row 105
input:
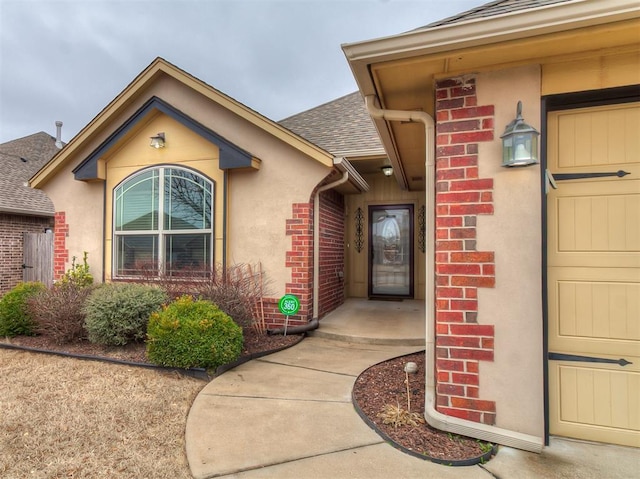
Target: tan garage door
column 593, row 274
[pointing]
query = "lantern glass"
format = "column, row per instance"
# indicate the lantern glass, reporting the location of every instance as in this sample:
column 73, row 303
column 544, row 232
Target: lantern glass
column 519, row 142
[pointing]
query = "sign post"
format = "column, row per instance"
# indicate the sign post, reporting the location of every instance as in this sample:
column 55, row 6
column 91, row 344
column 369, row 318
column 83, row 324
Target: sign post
column 288, row 305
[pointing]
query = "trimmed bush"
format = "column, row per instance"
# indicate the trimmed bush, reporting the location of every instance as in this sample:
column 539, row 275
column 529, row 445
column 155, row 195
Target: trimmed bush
column 58, row 312
column 117, row 313
column 15, row 318
column 189, row 333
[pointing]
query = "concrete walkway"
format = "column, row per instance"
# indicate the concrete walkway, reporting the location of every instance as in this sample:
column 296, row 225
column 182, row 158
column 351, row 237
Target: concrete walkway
column 289, row 415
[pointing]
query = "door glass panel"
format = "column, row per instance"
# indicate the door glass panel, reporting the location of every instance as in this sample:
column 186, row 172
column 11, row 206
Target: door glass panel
column 391, row 255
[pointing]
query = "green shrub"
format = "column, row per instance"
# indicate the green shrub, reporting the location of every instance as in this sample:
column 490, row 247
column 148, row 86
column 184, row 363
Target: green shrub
column 189, row 333
column 237, row 290
column 78, row 274
column 117, row 313
column 58, row 312
column 15, row 318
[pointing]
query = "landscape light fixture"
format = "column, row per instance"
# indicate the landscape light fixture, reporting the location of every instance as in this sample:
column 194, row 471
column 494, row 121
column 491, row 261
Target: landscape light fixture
column 519, row 142
column 387, row 170
column 157, row 141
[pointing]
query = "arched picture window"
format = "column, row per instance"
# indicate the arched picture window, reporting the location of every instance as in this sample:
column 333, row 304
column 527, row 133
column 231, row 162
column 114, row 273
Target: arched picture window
column 163, row 221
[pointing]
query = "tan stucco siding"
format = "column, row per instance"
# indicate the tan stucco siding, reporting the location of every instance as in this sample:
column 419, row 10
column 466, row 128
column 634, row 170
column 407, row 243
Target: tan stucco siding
column 513, row 232
column 183, row 148
column 82, row 204
column 260, row 203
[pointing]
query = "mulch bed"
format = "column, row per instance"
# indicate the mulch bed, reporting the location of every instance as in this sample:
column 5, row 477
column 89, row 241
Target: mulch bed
column 384, row 384
column 254, row 343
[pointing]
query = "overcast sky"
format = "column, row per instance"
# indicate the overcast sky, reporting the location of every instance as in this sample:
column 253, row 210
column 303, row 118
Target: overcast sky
column 67, row 59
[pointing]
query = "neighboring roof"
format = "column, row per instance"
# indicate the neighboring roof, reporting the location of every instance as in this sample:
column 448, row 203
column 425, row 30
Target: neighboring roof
column 19, row 160
column 498, row 7
column 342, row 126
column 136, row 89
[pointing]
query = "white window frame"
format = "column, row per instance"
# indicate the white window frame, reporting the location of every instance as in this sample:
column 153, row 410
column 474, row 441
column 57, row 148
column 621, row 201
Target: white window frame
column 160, row 232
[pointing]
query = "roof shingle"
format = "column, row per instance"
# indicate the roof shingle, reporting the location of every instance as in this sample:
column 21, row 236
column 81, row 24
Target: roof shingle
column 19, row 160
column 492, row 9
column 341, row 127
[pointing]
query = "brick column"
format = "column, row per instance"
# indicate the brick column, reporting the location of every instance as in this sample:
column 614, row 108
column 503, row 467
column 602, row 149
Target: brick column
column 300, row 259
column 331, row 268
column 60, row 251
column 461, row 195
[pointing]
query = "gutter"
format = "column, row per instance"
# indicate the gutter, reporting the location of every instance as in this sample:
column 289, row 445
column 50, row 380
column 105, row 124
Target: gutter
column 557, row 17
column 26, row 212
column 433, row 417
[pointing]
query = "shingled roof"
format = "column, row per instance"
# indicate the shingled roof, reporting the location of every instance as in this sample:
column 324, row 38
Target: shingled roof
column 19, row 160
column 492, row 9
column 342, row 127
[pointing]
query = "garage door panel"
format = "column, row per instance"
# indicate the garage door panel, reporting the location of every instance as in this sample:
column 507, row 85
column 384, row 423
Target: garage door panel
column 598, row 137
column 593, row 274
column 599, row 310
column 598, row 224
column 595, row 403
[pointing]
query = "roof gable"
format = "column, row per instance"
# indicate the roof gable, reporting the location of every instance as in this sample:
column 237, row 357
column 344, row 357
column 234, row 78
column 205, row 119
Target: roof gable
column 102, row 123
column 231, row 156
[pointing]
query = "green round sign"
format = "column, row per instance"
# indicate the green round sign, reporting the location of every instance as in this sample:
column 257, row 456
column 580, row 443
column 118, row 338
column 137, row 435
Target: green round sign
column 289, row 304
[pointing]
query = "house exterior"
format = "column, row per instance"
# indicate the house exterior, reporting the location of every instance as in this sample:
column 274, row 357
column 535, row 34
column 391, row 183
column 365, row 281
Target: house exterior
column 373, row 267
column 533, row 272
column 22, row 209
column 229, row 186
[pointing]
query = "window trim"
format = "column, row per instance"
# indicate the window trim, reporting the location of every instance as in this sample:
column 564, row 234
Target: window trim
column 161, row 233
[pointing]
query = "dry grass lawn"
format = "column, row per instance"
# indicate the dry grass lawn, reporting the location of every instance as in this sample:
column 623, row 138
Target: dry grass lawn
column 67, row 418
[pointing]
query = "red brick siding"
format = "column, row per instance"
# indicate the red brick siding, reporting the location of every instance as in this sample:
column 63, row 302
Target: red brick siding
column 60, row 251
column 12, row 229
column 300, row 260
column 461, row 195
column 331, row 280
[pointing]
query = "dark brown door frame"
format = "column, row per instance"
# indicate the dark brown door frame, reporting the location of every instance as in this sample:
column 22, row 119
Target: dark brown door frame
column 372, row 209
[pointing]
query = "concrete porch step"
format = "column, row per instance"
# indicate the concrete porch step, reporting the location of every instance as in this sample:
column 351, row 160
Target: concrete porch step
column 363, row 321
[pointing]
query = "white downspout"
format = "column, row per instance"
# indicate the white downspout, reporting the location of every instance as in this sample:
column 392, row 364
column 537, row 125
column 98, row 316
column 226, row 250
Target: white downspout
column 433, row 417
column 316, row 239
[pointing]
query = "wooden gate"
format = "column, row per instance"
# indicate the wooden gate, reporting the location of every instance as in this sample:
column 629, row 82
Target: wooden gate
column 38, row 258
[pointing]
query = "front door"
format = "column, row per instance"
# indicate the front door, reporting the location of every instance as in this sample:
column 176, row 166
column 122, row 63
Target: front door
column 593, row 274
column 391, row 251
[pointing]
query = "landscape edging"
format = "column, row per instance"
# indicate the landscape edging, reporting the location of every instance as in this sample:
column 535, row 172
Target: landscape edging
column 483, row 458
column 197, row 373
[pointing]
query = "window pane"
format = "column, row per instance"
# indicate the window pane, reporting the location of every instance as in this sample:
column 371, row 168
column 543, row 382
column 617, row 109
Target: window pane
column 187, row 201
column 187, row 253
column 137, row 203
column 136, row 254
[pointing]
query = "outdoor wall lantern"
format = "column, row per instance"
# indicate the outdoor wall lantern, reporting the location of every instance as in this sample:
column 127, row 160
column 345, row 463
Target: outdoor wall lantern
column 519, row 142
column 157, row 141
column 387, row 170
